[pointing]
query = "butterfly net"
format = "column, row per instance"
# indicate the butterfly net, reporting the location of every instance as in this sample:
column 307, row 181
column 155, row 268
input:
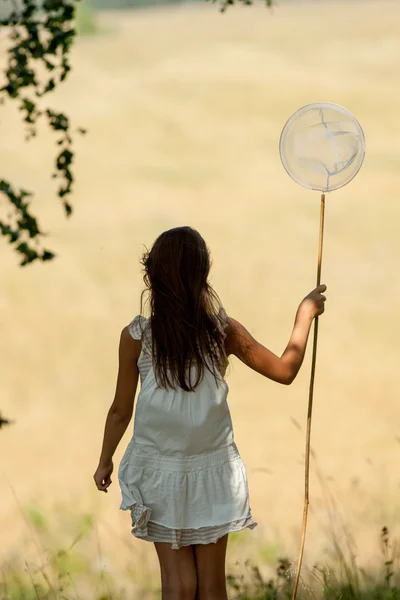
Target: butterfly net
column 322, row 146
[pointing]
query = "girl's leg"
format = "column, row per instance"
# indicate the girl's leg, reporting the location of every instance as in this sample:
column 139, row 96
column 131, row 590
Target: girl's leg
column 178, row 572
column 210, row 567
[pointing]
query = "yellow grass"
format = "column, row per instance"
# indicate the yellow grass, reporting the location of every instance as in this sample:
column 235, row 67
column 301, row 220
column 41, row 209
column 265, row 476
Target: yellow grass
column 184, row 109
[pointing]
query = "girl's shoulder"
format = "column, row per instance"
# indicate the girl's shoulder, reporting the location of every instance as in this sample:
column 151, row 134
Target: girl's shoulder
column 222, row 319
column 139, row 326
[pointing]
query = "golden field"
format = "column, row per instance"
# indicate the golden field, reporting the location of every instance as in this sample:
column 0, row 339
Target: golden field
column 184, row 108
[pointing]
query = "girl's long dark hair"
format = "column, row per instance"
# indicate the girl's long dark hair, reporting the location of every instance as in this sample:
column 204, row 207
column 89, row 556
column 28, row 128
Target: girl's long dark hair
column 187, row 320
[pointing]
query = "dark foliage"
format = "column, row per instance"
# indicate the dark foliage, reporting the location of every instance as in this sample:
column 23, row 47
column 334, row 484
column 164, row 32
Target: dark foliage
column 225, row 3
column 40, row 36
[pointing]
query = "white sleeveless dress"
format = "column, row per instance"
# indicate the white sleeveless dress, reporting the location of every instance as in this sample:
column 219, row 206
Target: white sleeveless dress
column 182, row 476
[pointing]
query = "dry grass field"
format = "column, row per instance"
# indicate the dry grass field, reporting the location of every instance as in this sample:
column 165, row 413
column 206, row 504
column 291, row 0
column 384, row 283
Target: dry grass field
column 184, row 108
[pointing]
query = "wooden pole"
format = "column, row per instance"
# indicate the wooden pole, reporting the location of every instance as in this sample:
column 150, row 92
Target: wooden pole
column 310, row 405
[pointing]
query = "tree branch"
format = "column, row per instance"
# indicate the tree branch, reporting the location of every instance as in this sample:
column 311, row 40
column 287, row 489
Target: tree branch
column 40, row 36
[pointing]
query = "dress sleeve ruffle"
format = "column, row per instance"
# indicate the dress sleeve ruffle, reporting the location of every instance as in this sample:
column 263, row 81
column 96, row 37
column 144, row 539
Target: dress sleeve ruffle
column 136, row 327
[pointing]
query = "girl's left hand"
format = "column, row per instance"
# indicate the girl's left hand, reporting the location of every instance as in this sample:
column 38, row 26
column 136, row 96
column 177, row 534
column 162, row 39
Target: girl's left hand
column 102, row 477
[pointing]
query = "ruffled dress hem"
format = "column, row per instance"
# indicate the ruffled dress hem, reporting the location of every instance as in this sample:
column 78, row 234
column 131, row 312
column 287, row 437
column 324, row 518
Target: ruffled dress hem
column 151, row 531
column 140, row 515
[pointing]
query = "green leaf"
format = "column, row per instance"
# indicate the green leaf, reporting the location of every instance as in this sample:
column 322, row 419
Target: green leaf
column 36, row 517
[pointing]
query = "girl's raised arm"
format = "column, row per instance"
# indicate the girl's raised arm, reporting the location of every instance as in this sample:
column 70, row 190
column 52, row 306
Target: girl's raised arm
column 284, row 369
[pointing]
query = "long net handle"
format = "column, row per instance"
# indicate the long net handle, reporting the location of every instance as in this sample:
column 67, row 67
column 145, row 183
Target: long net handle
column 310, row 405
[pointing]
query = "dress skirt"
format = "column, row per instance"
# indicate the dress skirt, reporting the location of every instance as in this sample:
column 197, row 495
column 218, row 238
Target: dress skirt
column 184, row 500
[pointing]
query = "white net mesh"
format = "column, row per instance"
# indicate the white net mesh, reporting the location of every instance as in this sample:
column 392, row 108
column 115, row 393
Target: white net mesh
column 322, row 146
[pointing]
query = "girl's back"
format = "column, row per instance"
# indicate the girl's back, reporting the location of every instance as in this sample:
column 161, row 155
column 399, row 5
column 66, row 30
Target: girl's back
column 175, row 421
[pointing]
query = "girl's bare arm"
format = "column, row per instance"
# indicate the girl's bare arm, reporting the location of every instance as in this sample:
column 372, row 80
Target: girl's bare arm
column 121, row 410
column 252, row 353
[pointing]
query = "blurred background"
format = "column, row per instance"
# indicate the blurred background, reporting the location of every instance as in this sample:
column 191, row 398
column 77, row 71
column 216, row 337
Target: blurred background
column 184, row 107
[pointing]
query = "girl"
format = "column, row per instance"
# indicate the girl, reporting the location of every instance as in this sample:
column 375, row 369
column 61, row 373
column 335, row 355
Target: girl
column 182, row 476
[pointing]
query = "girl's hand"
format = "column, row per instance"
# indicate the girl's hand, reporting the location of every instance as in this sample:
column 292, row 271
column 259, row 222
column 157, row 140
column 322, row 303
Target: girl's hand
column 102, row 477
column 314, row 302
